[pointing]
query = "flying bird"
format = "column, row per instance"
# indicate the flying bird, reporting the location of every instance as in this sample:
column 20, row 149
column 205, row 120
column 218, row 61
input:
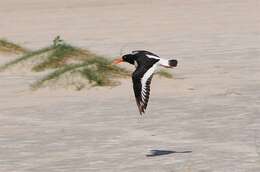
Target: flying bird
column 145, row 63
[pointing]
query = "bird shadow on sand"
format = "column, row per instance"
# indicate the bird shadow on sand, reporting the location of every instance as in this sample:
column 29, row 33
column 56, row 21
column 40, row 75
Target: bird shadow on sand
column 154, row 153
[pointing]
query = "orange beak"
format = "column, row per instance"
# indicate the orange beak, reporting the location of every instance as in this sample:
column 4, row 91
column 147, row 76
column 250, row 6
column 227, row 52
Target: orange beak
column 118, row 60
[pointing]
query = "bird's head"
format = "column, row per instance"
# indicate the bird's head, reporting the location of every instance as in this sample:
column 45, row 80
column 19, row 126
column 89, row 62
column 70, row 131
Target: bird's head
column 129, row 58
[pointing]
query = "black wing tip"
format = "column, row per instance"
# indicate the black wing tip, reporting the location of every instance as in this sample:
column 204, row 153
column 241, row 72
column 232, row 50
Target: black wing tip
column 141, row 108
column 142, row 112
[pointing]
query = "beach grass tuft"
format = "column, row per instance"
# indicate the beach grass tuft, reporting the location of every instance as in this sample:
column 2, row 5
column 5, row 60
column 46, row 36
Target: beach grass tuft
column 60, row 55
column 97, row 71
column 10, row 47
column 26, row 56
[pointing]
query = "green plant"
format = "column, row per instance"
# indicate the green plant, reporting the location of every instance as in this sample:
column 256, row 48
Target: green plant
column 10, row 47
column 98, row 71
column 26, row 56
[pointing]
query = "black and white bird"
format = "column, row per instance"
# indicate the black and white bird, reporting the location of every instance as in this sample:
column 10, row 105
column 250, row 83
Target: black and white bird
column 146, row 64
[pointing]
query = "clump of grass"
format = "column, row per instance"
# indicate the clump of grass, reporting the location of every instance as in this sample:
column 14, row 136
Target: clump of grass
column 56, row 56
column 66, row 59
column 98, row 71
column 60, row 55
column 164, row 73
column 27, row 56
column 55, row 75
column 10, row 47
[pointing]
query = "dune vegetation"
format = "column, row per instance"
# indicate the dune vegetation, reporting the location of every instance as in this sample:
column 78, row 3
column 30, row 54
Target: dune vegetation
column 71, row 66
column 10, row 47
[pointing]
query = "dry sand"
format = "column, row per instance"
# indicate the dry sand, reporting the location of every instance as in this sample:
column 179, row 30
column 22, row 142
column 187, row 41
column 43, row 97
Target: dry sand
column 208, row 116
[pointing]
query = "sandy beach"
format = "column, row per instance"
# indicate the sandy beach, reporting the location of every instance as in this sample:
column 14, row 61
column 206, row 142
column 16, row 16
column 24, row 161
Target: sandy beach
column 207, row 117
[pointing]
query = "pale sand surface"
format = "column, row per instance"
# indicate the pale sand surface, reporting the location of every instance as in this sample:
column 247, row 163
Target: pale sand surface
column 211, row 108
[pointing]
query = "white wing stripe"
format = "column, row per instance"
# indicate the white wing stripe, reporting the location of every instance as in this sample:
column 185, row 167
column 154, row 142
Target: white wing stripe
column 146, row 76
column 163, row 62
column 153, row 57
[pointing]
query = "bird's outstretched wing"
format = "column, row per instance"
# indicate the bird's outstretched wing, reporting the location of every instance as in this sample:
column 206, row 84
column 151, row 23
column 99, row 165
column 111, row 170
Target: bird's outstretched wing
column 142, row 78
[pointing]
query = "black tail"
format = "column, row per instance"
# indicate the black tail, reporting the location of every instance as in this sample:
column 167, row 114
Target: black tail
column 173, row 63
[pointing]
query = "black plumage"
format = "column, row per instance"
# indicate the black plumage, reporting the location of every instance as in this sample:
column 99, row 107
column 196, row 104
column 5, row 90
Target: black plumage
column 143, row 65
column 146, row 63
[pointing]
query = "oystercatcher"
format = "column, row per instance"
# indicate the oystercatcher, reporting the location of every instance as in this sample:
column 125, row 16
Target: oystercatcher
column 145, row 63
